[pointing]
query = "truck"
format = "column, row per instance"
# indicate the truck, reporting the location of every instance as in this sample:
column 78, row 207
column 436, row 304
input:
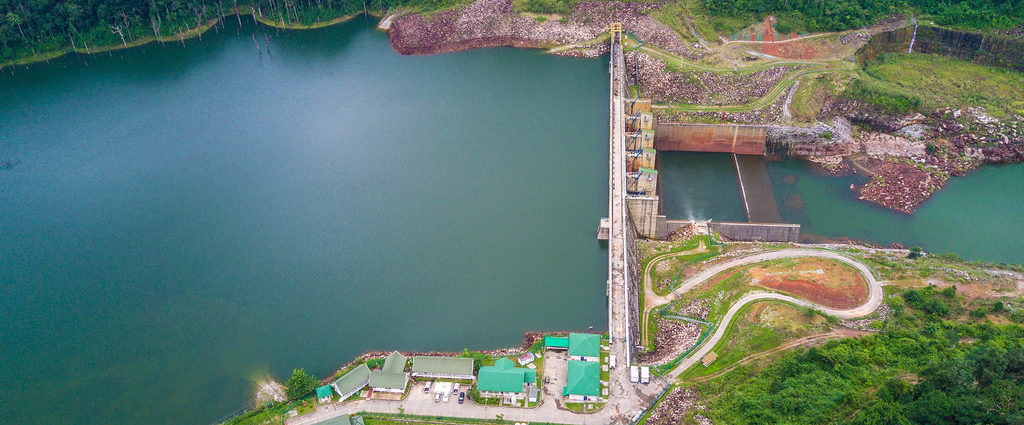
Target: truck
column 645, row 375
column 611, row 361
column 634, row 374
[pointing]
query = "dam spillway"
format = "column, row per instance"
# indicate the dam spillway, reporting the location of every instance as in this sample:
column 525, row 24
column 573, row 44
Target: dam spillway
column 756, row 189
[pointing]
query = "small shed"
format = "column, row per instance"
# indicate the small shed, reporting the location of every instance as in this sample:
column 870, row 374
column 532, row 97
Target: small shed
column 709, row 358
column 323, row 394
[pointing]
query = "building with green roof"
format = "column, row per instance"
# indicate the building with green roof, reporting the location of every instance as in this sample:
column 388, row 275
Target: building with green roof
column 323, row 393
column 556, row 343
column 585, row 347
column 438, row 367
column 505, row 381
column 352, row 381
column 583, row 381
column 391, row 378
column 343, row 420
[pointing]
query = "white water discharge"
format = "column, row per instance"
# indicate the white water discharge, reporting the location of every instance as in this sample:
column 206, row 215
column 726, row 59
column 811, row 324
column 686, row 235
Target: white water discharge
column 913, row 38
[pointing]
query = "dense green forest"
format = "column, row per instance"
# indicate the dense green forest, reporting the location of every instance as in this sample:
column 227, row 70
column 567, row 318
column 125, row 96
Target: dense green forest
column 29, row 28
column 33, row 27
column 836, row 15
column 922, row 368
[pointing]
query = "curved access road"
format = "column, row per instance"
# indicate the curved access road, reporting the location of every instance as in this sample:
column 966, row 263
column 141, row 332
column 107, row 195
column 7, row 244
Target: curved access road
column 875, row 295
column 652, row 299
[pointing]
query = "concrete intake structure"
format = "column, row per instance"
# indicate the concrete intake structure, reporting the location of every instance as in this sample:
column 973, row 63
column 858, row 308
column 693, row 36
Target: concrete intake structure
column 642, row 198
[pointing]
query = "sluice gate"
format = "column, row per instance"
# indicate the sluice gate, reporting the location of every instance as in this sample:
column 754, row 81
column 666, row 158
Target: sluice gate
column 722, row 138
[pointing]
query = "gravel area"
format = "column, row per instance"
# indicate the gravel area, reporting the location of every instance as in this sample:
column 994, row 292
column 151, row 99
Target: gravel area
column 675, row 408
column 673, row 338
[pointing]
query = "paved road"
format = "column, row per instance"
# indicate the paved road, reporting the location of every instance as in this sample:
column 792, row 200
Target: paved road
column 875, row 295
column 652, row 299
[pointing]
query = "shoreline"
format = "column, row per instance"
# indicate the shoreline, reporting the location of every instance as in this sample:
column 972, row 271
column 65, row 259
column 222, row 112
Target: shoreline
column 177, row 37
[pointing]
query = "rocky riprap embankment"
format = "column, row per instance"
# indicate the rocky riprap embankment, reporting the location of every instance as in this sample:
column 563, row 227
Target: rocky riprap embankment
column 909, row 157
column 676, row 408
column 490, row 23
column 700, row 87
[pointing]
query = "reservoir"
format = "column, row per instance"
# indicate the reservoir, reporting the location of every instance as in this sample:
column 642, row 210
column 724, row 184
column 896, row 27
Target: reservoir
column 976, row 216
column 181, row 222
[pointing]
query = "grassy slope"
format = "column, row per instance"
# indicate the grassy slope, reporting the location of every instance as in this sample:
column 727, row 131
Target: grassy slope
column 942, row 81
column 719, row 393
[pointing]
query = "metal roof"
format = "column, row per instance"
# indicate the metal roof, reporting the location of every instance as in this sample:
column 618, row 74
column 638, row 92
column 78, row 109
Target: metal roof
column 392, row 375
column 323, row 391
column 443, row 365
column 583, row 378
column 587, row 345
column 353, row 379
column 556, row 342
column 504, row 377
column 343, row 420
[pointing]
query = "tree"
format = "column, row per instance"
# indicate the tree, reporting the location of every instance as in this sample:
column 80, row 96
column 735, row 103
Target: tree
column 915, row 253
column 300, row 384
column 15, row 20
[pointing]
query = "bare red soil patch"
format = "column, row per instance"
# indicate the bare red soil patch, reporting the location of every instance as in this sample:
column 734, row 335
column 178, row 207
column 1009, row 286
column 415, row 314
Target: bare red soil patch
column 846, row 296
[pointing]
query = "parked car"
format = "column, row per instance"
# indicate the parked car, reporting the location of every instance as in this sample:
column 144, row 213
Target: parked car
column 462, row 397
column 437, row 397
column 455, row 389
column 445, row 397
column 426, row 388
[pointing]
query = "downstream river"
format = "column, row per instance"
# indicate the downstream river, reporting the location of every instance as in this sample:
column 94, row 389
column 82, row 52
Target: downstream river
column 181, row 222
column 976, row 216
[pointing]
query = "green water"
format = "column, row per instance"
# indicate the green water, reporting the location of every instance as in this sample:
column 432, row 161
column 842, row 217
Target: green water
column 976, row 217
column 185, row 220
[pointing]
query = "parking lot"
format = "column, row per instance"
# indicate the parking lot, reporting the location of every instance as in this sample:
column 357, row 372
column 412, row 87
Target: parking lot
column 418, row 397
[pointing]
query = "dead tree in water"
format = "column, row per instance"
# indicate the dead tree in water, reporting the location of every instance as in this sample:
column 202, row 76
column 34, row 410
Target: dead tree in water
column 267, row 37
column 258, row 51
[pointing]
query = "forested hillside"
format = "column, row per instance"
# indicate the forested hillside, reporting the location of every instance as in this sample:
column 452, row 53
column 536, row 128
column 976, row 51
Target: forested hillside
column 837, row 15
column 28, row 28
column 924, row 367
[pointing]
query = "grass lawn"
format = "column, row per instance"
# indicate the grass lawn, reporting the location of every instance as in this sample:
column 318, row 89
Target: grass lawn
column 813, row 93
column 759, row 327
column 941, row 81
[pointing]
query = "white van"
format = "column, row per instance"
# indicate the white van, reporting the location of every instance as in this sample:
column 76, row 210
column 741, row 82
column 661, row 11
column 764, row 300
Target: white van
column 611, row 361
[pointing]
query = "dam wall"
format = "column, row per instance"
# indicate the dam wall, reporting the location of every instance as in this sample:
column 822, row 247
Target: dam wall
column 632, row 282
column 763, row 232
column 723, row 138
column 986, row 49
